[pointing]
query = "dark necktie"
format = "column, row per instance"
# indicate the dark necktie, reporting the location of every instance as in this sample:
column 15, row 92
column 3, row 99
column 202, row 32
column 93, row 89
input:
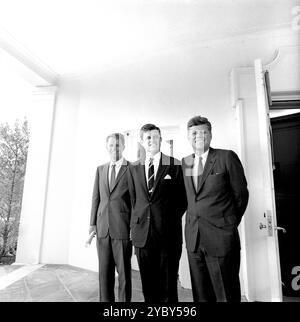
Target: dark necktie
column 150, row 176
column 199, row 174
column 112, row 177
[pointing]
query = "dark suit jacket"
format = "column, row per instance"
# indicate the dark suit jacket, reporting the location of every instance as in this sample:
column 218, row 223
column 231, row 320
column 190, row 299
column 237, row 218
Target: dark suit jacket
column 217, row 207
column 111, row 210
column 164, row 208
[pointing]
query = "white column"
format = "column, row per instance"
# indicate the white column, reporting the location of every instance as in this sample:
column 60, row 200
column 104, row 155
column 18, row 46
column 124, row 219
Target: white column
column 36, row 178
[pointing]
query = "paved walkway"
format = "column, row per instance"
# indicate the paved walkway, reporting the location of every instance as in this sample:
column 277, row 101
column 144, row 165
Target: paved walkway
column 65, row 283
column 60, row 283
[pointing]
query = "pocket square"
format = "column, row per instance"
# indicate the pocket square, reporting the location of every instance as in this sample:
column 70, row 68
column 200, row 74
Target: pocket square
column 167, row 177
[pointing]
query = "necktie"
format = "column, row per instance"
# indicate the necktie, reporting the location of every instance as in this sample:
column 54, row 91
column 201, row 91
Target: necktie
column 112, row 177
column 150, row 175
column 198, row 174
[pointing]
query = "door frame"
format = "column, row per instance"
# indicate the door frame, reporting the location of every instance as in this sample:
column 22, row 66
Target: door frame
column 259, row 280
column 265, row 136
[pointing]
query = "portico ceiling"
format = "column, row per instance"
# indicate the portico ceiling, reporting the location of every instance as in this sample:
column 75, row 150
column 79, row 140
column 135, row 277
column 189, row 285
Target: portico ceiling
column 74, row 37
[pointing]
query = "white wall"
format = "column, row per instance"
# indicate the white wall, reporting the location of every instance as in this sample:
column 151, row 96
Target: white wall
column 165, row 89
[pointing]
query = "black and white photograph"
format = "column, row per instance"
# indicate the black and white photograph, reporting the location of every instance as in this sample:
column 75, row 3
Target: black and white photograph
column 150, row 153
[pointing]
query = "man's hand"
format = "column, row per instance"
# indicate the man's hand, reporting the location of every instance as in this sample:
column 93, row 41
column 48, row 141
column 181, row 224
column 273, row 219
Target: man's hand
column 92, row 229
column 92, row 234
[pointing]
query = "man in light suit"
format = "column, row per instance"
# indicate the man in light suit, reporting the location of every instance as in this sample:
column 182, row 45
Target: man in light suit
column 158, row 203
column 217, row 199
column 110, row 219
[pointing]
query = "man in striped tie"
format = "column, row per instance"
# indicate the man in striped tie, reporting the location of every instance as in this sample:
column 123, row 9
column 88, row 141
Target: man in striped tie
column 158, row 202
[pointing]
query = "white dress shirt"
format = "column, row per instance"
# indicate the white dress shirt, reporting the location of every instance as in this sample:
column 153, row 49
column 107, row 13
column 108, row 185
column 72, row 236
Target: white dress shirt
column 117, row 168
column 156, row 160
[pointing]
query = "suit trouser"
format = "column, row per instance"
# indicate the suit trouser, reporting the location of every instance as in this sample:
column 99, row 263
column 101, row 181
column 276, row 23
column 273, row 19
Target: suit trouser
column 215, row 278
column 152, row 262
column 114, row 253
column 159, row 272
column 174, row 255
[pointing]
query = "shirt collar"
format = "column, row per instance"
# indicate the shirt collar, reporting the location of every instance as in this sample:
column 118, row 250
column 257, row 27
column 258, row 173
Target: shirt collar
column 203, row 155
column 155, row 158
column 117, row 163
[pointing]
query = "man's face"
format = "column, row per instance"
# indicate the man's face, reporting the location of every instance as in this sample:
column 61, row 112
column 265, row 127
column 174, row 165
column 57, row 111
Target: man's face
column 151, row 142
column 115, row 148
column 199, row 137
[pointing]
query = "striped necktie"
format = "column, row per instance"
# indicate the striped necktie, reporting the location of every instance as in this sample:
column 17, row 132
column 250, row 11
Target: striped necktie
column 150, row 176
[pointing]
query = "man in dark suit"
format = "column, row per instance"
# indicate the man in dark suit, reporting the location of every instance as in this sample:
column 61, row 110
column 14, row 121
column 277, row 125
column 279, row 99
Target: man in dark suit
column 158, row 203
column 217, row 199
column 110, row 219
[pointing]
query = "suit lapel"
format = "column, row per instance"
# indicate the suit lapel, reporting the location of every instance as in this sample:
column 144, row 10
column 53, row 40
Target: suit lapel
column 208, row 166
column 142, row 175
column 189, row 163
column 164, row 162
column 105, row 177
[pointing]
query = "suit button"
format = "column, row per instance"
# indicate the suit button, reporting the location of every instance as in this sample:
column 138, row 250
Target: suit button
column 148, row 217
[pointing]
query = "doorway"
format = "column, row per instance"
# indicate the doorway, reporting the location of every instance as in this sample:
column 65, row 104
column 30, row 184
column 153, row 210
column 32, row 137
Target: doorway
column 15, row 123
column 286, row 153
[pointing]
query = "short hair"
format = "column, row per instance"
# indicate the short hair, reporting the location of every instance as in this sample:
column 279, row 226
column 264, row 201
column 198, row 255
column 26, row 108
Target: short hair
column 118, row 136
column 148, row 127
column 198, row 120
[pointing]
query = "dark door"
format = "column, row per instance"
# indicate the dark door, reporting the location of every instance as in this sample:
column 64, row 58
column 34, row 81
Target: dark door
column 286, row 147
